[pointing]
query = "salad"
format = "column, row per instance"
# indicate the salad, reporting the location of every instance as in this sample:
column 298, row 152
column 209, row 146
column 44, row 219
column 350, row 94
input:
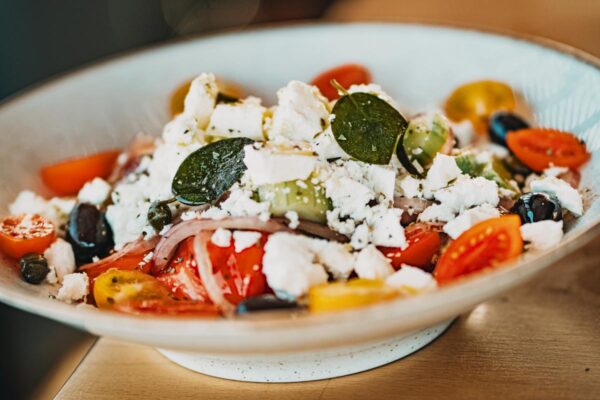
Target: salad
column 336, row 197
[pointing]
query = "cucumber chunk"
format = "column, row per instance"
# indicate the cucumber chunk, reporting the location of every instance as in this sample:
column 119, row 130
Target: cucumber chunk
column 425, row 136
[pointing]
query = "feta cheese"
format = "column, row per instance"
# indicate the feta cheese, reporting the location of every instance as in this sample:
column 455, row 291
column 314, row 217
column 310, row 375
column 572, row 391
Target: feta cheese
column 240, row 204
column 381, row 179
column 542, row 235
column 267, row 166
column 437, row 212
column 56, row 209
column 468, row 218
column 337, row 258
column 201, row 98
column 410, row 187
column 464, row 132
column 239, row 119
column 555, row 171
column 348, row 196
column 568, row 197
column 221, row 237
column 302, row 112
column 327, row 147
column 61, row 259
column 372, row 264
column 411, row 279
column 385, row 226
column 292, row 216
column 244, row 239
column 182, row 130
column 74, row 287
column 466, row 193
column 94, row 192
column 442, row 171
column 290, row 266
column 374, row 89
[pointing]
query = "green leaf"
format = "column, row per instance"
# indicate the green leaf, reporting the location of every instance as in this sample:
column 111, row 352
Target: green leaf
column 210, row 171
column 366, row 127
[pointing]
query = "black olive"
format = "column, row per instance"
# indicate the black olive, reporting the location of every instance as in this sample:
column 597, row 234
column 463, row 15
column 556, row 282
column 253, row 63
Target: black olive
column 159, row 215
column 515, row 166
column 533, row 207
column 34, row 268
column 264, row 302
column 89, row 233
column 503, row 122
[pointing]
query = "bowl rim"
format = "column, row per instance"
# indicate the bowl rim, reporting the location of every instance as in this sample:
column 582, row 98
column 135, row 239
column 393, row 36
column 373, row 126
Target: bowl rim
column 503, row 277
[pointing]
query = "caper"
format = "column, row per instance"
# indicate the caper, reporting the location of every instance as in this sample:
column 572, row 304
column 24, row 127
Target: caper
column 159, row 215
column 34, row 268
column 89, row 233
column 264, row 302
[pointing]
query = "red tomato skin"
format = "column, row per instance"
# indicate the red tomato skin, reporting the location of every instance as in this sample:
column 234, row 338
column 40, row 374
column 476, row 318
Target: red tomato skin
column 422, row 247
column 172, row 308
column 346, row 75
column 16, row 246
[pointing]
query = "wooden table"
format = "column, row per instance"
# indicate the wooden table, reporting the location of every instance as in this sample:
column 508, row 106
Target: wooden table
column 539, row 341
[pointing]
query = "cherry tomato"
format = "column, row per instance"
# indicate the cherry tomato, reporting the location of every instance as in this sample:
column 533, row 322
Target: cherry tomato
column 25, row 233
column 128, row 262
column 240, row 273
column 423, row 244
column 181, row 275
column 346, row 75
column 477, row 101
column 169, row 308
column 67, row 177
column 485, row 245
column 118, row 287
column 351, row 294
column 540, row 148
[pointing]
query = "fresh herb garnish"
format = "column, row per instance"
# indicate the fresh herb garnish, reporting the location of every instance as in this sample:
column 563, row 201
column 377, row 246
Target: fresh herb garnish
column 210, row 171
column 366, row 127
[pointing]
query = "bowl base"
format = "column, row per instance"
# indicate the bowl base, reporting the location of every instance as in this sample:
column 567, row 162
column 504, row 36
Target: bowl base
column 306, row 366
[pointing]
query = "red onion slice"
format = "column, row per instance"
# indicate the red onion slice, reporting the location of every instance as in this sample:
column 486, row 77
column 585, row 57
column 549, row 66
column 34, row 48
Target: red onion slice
column 207, row 276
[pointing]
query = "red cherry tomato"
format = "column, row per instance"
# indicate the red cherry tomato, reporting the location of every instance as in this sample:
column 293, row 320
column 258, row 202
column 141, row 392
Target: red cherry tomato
column 423, row 244
column 485, row 245
column 540, row 148
column 346, row 75
column 25, row 233
column 67, row 177
column 169, row 308
column 128, row 262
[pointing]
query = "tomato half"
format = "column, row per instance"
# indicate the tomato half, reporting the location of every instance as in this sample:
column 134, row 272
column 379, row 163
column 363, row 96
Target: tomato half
column 346, row 75
column 25, row 233
column 67, row 177
column 485, row 245
column 540, row 148
column 117, row 287
column 423, row 244
column 128, row 262
column 351, row 294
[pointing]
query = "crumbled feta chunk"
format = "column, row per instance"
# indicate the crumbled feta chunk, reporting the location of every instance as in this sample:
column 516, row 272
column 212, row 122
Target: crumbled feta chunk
column 442, row 171
column 292, row 216
column 94, row 192
column 61, row 259
column 464, row 132
column 348, row 196
column 411, row 279
column 568, row 197
column 302, row 112
column 385, row 227
column 182, row 130
column 411, row 187
column 238, row 119
column 372, row 264
column 221, row 237
column 244, row 239
column 469, row 218
column 542, row 235
column 555, row 171
column 327, row 147
column 240, row 204
column 437, row 212
column 201, row 98
column 466, row 193
column 267, row 166
column 75, row 287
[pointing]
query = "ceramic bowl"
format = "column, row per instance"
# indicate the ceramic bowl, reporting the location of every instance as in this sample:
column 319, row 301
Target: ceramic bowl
column 105, row 105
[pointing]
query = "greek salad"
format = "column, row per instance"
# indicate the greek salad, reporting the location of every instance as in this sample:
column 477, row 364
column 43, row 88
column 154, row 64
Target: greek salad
column 333, row 198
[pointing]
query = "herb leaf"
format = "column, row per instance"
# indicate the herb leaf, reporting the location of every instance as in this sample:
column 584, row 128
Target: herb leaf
column 210, row 171
column 366, row 127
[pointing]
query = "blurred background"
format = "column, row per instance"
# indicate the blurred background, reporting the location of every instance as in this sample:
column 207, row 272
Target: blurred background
column 40, row 39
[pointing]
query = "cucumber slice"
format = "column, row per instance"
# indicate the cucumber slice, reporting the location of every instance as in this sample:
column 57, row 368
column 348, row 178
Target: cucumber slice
column 425, row 136
column 303, row 197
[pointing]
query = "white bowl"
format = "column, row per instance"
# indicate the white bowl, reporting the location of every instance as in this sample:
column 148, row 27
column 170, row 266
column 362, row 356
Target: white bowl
column 103, row 106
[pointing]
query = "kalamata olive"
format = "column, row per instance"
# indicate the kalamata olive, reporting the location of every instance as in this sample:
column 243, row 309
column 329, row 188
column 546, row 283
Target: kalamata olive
column 34, row 268
column 89, row 233
column 503, row 122
column 159, row 215
column 533, row 207
column 264, row 302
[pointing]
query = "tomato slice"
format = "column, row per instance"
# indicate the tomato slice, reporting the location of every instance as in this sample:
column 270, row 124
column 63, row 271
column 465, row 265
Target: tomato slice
column 169, row 308
column 485, row 245
column 25, row 233
column 540, row 148
column 423, row 244
column 352, row 294
column 346, row 75
column 117, row 287
column 128, row 262
column 181, row 275
column 67, row 177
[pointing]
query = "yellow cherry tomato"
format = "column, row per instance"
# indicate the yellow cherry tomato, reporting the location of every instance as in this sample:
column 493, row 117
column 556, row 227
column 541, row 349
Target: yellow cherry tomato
column 351, row 294
column 477, row 101
column 117, row 287
column 227, row 89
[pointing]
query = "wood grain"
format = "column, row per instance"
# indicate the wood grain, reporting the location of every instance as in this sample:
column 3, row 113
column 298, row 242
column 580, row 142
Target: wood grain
column 540, row 341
